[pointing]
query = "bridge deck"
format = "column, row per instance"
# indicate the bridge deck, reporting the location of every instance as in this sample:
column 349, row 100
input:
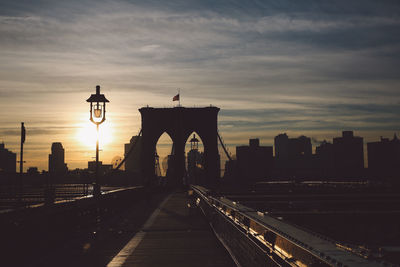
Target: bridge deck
column 174, row 236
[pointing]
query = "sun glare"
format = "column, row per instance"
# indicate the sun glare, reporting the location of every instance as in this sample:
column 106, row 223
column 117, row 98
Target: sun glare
column 87, row 134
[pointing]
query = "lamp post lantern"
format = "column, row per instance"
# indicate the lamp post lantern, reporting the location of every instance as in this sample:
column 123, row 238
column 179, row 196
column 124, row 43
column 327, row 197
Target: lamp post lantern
column 97, row 116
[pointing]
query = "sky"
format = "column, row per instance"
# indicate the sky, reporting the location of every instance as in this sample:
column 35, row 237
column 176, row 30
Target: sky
column 310, row 68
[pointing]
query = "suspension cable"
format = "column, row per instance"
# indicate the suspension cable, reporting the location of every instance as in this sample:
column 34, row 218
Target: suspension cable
column 223, row 146
column 129, row 152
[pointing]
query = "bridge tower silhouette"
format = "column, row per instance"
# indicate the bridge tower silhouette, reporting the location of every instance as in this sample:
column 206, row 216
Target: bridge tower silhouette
column 179, row 123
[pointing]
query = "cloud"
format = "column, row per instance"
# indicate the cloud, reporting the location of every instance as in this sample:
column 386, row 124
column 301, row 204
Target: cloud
column 312, row 116
column 31, row 131
column 271, row 66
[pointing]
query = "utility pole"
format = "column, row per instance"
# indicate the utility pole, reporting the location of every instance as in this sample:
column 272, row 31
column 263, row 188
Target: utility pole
column 21, row 159
column 21, row 164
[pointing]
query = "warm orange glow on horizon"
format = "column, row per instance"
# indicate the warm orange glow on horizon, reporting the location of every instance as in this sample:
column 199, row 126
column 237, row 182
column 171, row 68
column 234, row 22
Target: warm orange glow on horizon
column 87, row 134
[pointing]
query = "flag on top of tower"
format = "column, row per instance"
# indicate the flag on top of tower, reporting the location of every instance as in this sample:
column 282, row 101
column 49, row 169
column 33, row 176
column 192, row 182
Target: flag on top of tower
column 176, row 98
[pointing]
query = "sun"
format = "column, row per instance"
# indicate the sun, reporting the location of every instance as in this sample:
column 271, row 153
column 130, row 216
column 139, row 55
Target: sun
column 87, row 134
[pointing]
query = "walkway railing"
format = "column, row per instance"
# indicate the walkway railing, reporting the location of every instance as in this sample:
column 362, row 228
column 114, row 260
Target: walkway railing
column 257, row 239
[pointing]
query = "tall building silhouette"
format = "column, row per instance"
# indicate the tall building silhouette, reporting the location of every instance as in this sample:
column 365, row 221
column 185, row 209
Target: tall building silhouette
column 292, row 148
column 8, row 160
column 254, row 162
column 103, row 168
column 384, row 157
column 348, row 155
column 281, row 143
column 300, row 146
column 132, row 163
column 292, row 155
column 324, row 159
column 56, row 159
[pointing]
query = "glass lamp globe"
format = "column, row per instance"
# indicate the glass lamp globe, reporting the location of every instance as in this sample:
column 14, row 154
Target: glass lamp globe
column 97, row 112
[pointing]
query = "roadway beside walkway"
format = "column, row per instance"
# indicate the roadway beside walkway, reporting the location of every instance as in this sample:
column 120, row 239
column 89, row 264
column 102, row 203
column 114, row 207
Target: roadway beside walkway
column 174, row 236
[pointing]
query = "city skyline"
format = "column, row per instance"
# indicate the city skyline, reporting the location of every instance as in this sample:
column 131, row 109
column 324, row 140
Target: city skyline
column 165, row 145
column 306, row 68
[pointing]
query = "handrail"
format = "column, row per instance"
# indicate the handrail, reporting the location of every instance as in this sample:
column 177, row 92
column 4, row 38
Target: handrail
column 259, row 225
column 71, row 200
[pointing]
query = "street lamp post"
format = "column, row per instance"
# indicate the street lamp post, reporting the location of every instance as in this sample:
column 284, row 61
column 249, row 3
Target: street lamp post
column 97, row 116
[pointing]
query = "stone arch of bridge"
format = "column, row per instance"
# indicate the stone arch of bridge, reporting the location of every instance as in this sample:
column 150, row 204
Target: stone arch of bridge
column 179, row 123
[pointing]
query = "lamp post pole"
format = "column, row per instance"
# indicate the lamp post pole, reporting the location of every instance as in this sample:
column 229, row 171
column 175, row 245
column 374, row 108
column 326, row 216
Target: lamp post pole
column 97, row 116
column 97, row 182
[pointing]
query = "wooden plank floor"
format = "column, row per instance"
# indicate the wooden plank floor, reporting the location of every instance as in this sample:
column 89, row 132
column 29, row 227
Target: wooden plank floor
column 173, row 236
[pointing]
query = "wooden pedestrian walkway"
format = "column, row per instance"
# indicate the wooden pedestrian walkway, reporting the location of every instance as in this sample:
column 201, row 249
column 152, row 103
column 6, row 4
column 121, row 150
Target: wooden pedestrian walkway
column 174, row 236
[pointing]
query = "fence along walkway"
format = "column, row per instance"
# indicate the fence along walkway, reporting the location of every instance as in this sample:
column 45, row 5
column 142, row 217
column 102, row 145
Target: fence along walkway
column 174, row 235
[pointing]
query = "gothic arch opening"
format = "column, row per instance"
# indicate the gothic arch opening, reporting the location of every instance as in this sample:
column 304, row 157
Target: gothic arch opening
column 163, row 155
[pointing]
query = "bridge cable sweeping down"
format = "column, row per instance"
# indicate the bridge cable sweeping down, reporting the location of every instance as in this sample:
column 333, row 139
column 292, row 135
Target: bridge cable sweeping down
column 228, row 154
column 129, row 152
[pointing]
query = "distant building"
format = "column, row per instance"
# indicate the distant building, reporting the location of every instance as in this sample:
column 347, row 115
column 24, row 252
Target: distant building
column 300, row 146
column 231, row 170
column 103, row 168
column 384, row 157
column 324, row 159
column 32, row 171
column 57, row 165
column 170, row 166
column 281, row 143
column 254, row 162
column 292, row 148
column 8, row 160
column 132, row 163
column 292, row 155
column 348, row 155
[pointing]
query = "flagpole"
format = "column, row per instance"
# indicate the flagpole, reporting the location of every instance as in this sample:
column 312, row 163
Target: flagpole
column 179, row 96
